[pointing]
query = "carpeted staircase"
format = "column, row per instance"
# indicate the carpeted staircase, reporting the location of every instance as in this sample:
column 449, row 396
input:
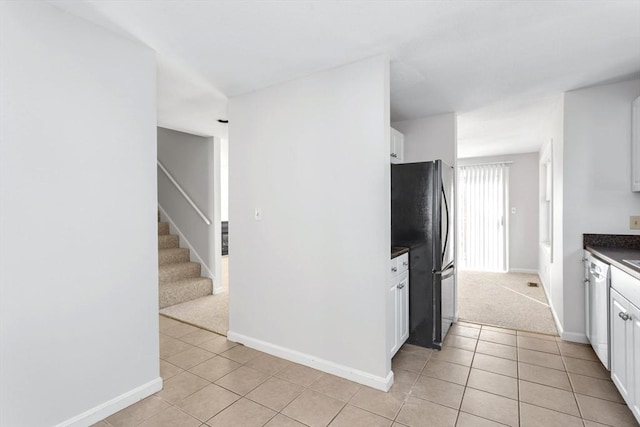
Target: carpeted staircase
column 179, row 279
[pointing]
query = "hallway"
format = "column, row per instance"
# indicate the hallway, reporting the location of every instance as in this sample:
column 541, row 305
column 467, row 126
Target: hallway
column 505, row 300
column 210, row 312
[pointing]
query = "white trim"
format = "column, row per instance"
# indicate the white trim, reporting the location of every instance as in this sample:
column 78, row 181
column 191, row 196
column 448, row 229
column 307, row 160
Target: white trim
column 114, row 405
column 193, row 254
column 215, row 231
column 556, row 319
column 524, row 270
column 574, row 337
column 374, row 381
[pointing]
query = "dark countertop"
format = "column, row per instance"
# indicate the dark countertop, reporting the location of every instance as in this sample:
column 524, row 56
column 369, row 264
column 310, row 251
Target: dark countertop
column 615, row 256
column 396, row 251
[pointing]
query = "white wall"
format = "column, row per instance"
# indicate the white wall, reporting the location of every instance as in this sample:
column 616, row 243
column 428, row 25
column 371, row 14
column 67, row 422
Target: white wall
column 308, row 281
column 597, row 170
column 523, row 196
column 78, row 253
column 190, row 160
column 550, row 258
column 429, row 138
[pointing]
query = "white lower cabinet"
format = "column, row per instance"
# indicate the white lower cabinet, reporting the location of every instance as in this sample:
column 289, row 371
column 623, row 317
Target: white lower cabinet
column 625, row 337
column 621, row 344
column 634, row 402
column 398, row 304
column 392, row 329
column 403, row 307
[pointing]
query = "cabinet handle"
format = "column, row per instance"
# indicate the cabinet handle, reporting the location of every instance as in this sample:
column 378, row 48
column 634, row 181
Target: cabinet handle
column 394, row 155
column 405, row 263
column 394, row 269
column 624, row 316
column 400, row 286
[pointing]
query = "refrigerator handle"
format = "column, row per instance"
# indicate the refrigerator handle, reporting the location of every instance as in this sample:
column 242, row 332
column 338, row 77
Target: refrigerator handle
column 448, row 267
column 446, row 209
column 449, row 274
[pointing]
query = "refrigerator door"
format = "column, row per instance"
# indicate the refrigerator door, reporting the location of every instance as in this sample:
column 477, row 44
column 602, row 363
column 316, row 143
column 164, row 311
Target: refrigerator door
column 447, row 248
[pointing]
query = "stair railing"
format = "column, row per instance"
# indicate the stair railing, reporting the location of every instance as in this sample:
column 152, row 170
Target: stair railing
column 184, row 194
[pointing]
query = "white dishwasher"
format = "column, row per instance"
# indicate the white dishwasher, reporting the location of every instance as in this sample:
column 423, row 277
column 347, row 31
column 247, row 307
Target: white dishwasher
column 598, row 309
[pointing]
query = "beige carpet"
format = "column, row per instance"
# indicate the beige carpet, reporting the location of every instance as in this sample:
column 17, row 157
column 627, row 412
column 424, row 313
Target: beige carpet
column 504, row 299
column 210, row 312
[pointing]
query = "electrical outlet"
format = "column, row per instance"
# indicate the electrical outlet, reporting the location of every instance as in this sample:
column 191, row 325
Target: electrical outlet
column 634, row 222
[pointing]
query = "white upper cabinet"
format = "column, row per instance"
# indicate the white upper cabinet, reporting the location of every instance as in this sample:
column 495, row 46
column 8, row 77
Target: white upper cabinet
column 397, row 146
column 635, row 146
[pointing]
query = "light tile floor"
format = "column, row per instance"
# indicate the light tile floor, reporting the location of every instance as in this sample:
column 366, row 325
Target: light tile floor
column 484, row 376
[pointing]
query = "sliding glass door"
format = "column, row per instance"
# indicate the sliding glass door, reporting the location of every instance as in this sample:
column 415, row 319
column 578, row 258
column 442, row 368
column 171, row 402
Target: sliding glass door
column 483, row 203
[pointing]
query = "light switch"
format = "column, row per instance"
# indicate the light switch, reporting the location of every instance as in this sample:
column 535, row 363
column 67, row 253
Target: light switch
column 513, row 210
column 258, row 214
column 634, row 222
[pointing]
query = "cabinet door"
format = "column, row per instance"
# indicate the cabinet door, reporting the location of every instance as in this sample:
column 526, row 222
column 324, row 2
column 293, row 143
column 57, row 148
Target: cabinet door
column 634, row 385
column 403, row 308
column 587, row 304
column 392, row 328
column 397, row 146
column 635, row 146
column 621, row 345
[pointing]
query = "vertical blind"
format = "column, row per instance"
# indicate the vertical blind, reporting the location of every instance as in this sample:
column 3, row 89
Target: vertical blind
column 483, row 201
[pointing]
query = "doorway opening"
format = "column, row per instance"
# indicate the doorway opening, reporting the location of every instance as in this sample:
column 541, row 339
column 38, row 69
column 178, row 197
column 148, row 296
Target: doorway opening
column 498, row 236
column 207, row 309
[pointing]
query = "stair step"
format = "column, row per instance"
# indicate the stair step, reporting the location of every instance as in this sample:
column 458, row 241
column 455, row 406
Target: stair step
column 168, row 241
column 180, row 291
column 172, row 255
column 163, row 228
column 178, row 270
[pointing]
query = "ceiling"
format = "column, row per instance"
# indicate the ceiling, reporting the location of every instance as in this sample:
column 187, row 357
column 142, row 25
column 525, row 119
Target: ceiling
column 498, row 64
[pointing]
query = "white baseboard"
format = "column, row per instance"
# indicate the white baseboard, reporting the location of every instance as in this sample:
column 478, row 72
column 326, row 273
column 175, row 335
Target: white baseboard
column 114, row 405
column 574, row 337
column 195, row 257
column 377, row 382
column 556, row 319
column 523, row 270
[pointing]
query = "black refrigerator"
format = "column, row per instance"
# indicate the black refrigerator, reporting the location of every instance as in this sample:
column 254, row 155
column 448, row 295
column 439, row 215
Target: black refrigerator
column 422, row 220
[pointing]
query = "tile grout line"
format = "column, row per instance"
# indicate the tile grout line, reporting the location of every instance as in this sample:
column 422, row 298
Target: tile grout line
column 573, row 390
column 464, row 392
column 411, row 388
